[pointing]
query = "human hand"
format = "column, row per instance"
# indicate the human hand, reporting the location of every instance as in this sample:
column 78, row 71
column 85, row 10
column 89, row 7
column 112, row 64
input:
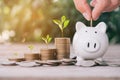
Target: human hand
column 100, row 6
column 103, row 6
column 83, row 7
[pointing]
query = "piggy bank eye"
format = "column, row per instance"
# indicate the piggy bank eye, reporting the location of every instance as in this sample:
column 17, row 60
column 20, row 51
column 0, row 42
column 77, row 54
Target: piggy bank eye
column 85, row 31
column 95, row 32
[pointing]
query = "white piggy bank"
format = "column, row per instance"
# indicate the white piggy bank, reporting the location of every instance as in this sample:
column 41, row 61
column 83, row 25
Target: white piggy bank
column 90, row 43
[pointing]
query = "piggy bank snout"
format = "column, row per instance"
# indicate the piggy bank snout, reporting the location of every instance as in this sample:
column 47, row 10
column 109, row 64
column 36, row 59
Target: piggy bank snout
column 91, row 45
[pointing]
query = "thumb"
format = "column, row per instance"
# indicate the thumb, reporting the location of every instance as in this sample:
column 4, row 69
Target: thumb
column 83, row 7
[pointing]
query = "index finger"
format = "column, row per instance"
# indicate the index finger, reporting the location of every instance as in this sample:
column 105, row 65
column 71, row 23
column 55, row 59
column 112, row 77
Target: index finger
column 83, row 7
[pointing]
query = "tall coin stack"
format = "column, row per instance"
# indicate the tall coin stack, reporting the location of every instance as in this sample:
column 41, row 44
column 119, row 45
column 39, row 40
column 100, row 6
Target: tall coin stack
column 62, row 48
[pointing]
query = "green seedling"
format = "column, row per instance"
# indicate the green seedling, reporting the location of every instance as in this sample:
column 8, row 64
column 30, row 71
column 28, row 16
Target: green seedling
column 62, row 24
column 31, row 47
column 15, row 54
column 47, row 39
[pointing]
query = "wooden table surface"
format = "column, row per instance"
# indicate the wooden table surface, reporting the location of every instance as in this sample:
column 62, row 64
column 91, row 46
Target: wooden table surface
column 58, row 72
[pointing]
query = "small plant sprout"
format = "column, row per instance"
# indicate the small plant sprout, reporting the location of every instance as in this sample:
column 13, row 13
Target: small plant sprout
column 31, row 47
column 47, row 39
column 62, row 24
column 15, row 54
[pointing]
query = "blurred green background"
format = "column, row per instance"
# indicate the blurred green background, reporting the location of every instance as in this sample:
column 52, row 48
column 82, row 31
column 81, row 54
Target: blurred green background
column 28, row 20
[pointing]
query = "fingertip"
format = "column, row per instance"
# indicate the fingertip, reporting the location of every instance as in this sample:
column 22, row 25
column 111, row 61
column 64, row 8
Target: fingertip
column 83, row 7
column 92, row 3
column 95, row 16
column 97, row 12
column 87, row 16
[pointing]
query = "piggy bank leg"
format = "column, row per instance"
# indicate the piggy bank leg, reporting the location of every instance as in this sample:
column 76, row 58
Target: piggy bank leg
column 84, row 63
column 101, row 62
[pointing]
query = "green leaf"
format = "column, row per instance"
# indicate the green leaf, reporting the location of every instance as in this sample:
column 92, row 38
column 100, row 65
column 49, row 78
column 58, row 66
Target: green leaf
column 60, row 26
column 46, row 41
column 16, row 54
column 43, row 38
column 31, row 47
column 63, row 18
column 63, row 23
column 57, row 22
column 47, row 36
column 66, row 23
column 49, row 40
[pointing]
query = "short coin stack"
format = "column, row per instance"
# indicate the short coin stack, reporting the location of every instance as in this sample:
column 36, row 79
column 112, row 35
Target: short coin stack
column 62, row 47
column 31, row 56
column 48, row 54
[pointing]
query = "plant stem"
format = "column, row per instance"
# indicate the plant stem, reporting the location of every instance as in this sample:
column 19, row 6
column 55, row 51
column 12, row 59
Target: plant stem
column 47, row 45
column 62, row 33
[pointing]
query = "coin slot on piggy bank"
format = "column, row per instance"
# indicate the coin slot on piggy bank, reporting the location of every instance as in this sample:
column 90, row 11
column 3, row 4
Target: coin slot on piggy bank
column 90, row 43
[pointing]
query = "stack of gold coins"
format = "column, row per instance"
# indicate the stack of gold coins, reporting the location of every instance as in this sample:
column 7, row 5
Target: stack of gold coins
column 31, row 56
column 48, row 54
column 63, row 47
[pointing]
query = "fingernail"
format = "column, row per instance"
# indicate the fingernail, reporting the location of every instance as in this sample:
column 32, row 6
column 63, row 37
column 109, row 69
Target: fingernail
column 91, row 3
column 86, row 16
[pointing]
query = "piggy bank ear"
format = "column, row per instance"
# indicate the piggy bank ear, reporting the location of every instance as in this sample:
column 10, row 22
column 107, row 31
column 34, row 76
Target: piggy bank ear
column 102, row 27
column 79, row 25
